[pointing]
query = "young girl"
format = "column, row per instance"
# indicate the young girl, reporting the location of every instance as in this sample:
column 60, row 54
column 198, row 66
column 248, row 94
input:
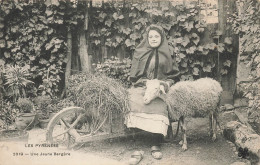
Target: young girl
column 152, row 60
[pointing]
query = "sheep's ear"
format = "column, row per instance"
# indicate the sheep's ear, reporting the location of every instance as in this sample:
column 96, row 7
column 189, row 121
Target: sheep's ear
column 165, row 85
column 162, row 91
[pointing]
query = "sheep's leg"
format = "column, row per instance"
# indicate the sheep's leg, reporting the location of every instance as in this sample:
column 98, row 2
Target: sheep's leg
column 184, row 139
column 214, row 126
column 210, row 125
column 169, row 135
column 178, row 127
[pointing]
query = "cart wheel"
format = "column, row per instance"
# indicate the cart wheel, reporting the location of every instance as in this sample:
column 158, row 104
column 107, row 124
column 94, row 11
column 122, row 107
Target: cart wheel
column 67, row 125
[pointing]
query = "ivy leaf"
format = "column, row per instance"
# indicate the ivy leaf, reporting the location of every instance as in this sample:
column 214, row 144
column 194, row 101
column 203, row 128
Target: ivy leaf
column 200, row 29
column 223, row 71
column 2, row 43
column 167, row 26
column 178, row 40
column 181, row 18
column 188, row 25
column 228, row 40
column 127, row 31
column 108, row 22
column 196, row 41
column 138, row 26
column 18, row 6
column 116, row 16
column 121, row 17
column 14, row 29
column 134, row 36
column 50, row 31
column 54, row 50
column 115, row 44
column 194, row 35
column 7, row 54
column 186, row 77
column 205, row 51
column 102, row 16
column 207, row 68
column 221, row 47
column 169, row 14
column 230, row 49
column 43, row 61
column 129, row 42
column 219, row 33
column 181, row 55
column 191, row 50
column 119, row 39
column 59, row 21
column 210, row 46
column 185, row 41
column 195, row 71
column 108, row 42
column 200, row 48
column 32, row 58
column 48, row 12
column 48, row 46
column 227, row 63
column 132, row 14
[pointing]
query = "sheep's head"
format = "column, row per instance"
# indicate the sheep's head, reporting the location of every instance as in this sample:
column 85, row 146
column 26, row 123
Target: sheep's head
column 154, row 88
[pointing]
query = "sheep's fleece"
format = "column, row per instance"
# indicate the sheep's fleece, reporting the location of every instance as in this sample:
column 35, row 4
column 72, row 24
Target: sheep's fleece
column 193, row 98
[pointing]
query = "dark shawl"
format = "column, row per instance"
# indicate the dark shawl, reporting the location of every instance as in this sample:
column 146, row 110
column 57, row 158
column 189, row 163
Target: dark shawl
column 144, row 53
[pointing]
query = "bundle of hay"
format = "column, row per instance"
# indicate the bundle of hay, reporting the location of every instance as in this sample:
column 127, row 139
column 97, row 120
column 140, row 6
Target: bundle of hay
column 98, row 93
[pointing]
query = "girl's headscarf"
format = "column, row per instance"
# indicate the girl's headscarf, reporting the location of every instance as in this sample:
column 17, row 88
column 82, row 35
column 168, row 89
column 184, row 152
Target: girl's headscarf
column 144, row 53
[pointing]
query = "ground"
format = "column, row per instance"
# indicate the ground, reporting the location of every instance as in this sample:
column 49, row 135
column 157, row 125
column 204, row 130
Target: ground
column 201, row 150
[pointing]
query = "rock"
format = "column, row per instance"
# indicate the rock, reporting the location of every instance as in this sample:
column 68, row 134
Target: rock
column 226, row 117
column 243, row 136
column 240, row 102
column 242, row 115
column 229, row 107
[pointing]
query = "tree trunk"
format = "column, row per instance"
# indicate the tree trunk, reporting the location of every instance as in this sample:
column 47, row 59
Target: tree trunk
column 83, row 48
column 243, row 136
column 68, row 66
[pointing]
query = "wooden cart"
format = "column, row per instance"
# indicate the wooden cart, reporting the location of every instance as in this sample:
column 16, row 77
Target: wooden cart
column 74, row 125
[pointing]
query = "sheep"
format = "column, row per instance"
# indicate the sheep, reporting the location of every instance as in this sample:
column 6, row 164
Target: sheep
column 187, row 99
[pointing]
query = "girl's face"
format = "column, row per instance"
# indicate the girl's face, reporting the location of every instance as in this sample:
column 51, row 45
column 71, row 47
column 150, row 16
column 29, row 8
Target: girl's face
column 154, row 38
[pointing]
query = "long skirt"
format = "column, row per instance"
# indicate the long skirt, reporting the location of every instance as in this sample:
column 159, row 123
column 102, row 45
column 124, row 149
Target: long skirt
column 152, row 117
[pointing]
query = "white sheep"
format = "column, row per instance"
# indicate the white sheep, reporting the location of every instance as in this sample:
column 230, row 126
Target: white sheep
column 187, row 99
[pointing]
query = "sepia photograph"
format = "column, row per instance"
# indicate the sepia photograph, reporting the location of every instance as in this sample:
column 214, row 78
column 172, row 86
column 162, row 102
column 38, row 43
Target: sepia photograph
column 127, row 82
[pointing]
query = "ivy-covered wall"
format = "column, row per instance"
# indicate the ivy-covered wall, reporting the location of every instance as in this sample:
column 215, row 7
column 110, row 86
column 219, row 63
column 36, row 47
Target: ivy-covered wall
column 246, row 23
column 35, row 34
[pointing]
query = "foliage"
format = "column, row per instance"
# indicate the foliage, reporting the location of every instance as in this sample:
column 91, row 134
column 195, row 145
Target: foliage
column 116, row 28
column 117, row 69
column 43, row 103
column 35, row 34
column 8, row 113
column 25, row 105
column 31, row 37
column 246, row 23
column 17, row 79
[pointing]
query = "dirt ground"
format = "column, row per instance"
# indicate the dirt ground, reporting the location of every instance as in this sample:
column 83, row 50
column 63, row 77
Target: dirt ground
column 201, row 150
